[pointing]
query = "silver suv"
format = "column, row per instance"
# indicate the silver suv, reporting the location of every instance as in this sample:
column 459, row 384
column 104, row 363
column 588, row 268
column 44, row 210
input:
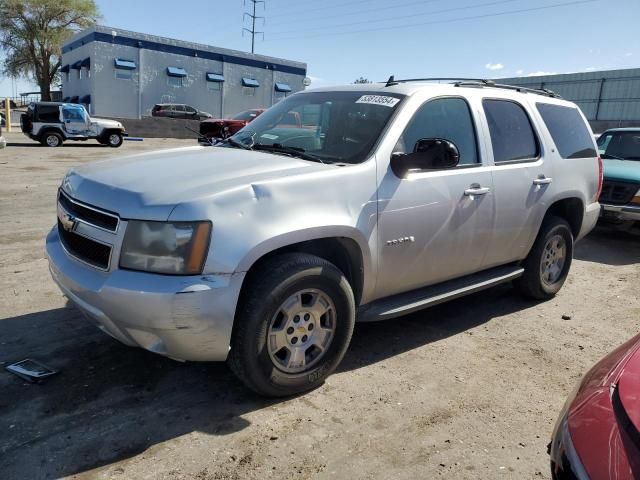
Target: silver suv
column 388, row 198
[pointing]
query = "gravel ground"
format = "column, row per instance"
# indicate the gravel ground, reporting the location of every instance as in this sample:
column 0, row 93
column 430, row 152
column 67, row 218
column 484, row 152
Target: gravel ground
column 470, row 389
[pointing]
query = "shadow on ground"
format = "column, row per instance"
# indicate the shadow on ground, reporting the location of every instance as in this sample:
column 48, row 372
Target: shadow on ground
column 110, row 402
column 611, row 244
column 73, row 143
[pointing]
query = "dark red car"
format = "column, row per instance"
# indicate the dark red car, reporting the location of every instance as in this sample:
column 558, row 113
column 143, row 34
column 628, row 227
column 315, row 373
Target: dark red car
column 598, row 433
column 223, row 128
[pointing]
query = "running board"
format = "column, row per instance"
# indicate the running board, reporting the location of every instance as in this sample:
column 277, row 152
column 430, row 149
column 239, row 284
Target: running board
column 405, row 303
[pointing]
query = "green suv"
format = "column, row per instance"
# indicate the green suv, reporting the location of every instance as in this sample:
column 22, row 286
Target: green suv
column 620, row 152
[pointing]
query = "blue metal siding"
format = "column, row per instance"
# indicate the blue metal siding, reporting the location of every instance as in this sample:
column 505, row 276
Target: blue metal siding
column 605, row 95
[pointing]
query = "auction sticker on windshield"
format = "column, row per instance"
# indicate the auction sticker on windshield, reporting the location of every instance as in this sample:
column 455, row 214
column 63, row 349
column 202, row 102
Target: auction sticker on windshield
column 378, row 100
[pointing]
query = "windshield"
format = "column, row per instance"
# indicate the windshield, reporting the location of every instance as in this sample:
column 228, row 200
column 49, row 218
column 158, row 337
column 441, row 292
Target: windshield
column 620, row 145
column 328, row 126
column 248, row 115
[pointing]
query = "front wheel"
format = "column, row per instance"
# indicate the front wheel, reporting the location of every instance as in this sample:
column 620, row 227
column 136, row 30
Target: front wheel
column 293, row 326
column 114, row 139
column 547, row 265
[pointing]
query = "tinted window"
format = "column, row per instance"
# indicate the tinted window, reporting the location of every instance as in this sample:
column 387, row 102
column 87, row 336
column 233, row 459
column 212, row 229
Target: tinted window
column 568, row 130
column 178, row 108
column 49, row 113
column 447, row 118
column 620, row 145
column 189, row 109
column 511, row 133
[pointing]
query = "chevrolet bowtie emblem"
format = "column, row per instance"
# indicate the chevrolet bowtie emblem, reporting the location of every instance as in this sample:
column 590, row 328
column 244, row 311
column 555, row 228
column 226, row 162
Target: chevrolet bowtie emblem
column 67, row 221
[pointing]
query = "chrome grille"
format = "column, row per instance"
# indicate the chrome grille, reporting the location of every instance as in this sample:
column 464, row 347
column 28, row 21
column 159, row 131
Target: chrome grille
column 85, row 249
column 88, row 214
column 617, row 193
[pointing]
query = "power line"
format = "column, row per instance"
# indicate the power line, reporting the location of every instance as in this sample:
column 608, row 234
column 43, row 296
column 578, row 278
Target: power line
column 253, row 18
column 433, row 12
column 324, row 7
column 359, row 12
column 439, row 22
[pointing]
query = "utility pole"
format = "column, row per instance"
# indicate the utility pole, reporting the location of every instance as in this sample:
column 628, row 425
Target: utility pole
column 253, row 18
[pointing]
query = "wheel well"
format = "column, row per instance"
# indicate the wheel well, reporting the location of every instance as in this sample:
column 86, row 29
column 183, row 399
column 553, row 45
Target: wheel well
column 572, row 210
column 47, row 130
column 343, row 252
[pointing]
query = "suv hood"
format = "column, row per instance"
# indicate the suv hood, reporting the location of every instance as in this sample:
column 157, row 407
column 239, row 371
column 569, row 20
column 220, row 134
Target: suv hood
column 149, row 186
column 106, row 123
column 625, row 170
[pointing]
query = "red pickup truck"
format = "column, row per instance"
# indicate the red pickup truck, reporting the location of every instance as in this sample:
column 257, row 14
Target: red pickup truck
column 223, row 128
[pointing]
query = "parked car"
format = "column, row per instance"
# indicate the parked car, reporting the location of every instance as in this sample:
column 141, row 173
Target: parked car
column 264, row 250
column 3, row 122
column 597, row 435
column 52, row 123
column 3, row 142
column 620, row 151
column 223, row 128
column 178, row 110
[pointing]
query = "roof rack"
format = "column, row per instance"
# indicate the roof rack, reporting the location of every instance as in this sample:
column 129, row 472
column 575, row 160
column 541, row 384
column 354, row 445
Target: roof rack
column 475, row 82
column 392, row 81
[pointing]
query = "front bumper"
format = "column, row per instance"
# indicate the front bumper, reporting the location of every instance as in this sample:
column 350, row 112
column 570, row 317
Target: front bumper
column 185, row 318
column 621, row 212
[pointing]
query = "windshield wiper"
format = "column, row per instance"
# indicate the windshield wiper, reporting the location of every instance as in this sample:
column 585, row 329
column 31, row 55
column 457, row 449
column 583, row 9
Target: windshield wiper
column 232, row 141
column 614, row 157
column 293, row 151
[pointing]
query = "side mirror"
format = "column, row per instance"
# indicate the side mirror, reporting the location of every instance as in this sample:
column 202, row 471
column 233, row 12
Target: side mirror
column 428, row 154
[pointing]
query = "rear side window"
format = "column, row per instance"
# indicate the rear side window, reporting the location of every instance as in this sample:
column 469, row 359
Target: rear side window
column 568, row 130
column 512, row 136
column 49, row 113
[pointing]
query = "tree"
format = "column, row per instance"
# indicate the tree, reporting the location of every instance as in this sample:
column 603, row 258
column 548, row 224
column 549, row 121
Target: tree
column 32, row 33
column 363, row 80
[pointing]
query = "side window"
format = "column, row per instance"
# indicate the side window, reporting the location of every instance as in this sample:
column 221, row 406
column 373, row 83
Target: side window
column 179, row 108
column 568, row 130
column 511, row 132
column 49, row 114
column 446, row 118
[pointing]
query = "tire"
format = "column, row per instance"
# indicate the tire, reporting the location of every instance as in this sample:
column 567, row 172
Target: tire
column 51, row 139
column 313, row 283
column 548, row 263
column 114, row 139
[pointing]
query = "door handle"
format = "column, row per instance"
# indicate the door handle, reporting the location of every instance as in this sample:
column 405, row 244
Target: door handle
column 476, row 189
column 542, row 180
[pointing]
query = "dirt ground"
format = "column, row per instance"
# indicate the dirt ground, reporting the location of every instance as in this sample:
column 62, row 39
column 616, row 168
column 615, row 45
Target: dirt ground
column 466, row 390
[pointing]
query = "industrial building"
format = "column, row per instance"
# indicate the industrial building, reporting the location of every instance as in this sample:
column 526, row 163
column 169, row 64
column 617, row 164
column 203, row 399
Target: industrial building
column 608, row 98
column 118, row 73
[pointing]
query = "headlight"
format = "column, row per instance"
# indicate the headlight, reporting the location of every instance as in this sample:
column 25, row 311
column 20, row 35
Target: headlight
column 178, row 248
column 565, row 461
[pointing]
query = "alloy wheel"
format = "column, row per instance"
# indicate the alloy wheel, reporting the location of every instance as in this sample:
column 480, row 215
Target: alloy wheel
column 301, row 331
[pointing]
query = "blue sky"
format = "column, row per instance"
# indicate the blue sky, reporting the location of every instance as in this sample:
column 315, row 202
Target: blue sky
column 341, row 40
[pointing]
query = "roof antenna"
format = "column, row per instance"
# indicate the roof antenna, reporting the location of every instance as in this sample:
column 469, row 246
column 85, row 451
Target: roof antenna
column 391, row 81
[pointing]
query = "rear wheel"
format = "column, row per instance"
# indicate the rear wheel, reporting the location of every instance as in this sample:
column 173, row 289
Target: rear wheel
column 51, row 139
column 293, row 326
column 547, row 265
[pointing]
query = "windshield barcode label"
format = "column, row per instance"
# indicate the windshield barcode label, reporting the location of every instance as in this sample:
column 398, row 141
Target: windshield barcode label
column 378, row 100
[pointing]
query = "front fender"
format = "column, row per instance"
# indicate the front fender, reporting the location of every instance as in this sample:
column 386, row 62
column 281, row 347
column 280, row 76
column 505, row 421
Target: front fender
column 315, row 233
